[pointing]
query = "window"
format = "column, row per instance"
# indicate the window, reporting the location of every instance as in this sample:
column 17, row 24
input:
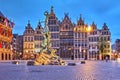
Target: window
column 104, row 32
column 28, row 38
column 108, row 33
column 104, row 46
column 90, row 39
column 56, row 28
column 76, row 45
column 54, row 36
column 85, row 35
column 85, row 44
column 104, row 38
column 101, row 38
column 28, row 45
column 78, row 35
column 31, row 46
column 48, row 22
column 25, row 38
column 41, row 38
column 75, row 35
column 28, row 31
column 38, row 32
column 54, row 22
column 108, row 38
column 94, row 38
column 66, row 27
column 31, row 38
column 97, row 39
column 82, row 44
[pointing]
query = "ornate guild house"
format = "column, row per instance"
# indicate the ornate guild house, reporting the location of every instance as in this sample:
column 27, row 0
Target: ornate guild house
column 6, row 27
column 66, row 37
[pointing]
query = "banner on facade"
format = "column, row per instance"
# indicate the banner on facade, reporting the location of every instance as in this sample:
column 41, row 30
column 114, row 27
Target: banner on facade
column 80, row 48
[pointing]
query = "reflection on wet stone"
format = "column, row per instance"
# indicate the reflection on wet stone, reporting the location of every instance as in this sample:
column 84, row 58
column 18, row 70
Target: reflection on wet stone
column 91, row 70
column 35, row 71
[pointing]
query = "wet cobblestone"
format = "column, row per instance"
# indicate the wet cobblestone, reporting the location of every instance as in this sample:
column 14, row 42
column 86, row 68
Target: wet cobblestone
column 91, row 70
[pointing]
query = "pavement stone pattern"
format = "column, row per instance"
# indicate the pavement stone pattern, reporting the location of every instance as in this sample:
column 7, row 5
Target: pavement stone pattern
column 91, row 70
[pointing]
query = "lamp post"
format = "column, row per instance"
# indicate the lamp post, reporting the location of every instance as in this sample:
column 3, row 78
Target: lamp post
column 26, row 55
column 71, row 54
column 84, row 54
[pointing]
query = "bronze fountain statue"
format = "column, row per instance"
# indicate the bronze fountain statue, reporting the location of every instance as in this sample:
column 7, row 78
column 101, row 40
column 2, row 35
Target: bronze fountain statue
column 47, row 54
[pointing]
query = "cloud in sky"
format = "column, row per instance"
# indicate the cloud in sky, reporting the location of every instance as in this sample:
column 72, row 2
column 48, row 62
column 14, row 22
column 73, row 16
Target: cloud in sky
column 99, row 11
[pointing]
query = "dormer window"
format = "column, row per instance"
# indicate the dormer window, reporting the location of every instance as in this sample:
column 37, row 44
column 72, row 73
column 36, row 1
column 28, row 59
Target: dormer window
column 38, row 32
column 67, row 27
column 28, row 31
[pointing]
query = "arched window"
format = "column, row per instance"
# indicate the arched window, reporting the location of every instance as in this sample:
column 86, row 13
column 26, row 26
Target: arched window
column 5, row 56
column 25, row 38
column 2, row 56
column 31, row 38
column 28, row 38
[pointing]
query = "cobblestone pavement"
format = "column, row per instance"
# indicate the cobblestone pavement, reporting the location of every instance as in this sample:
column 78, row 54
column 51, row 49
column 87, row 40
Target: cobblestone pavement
column 91, row 70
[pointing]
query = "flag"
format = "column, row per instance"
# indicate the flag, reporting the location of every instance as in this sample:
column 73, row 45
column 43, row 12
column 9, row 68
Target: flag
column 80, row 48
column 0, row 45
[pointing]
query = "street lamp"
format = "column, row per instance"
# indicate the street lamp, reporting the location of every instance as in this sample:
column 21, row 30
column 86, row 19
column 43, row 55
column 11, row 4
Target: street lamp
column 72, row 55
column 84, row 55
column 26, row 55
column 70, row 50
column 20, row 55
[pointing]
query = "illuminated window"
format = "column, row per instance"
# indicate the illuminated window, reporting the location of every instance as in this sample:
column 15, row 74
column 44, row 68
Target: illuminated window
column 25, row 38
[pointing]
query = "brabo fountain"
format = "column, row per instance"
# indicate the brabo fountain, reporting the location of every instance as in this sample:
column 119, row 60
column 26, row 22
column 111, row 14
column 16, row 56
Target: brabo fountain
column 47, row 55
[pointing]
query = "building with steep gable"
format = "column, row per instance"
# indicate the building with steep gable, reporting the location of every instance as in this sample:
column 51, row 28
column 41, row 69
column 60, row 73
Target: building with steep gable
column 38, row 38
column 6, row 27
column 66, row 37
column 28, row 40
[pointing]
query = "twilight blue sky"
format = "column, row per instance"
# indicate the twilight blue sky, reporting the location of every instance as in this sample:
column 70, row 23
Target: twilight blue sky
column 99, row 11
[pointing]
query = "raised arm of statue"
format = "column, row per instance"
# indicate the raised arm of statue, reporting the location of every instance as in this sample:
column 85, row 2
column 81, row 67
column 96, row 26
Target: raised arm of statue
column 46, row 29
